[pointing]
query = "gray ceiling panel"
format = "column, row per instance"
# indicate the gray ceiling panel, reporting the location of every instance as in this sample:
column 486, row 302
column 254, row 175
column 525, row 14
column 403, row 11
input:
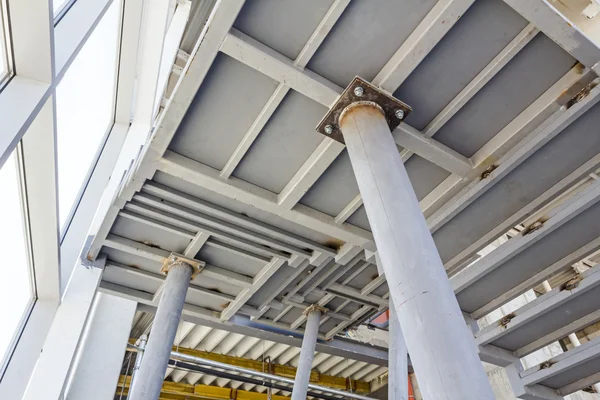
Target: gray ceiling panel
column 205, row 301
column 238, row 207
column 149, row 235
column 359, row 218
column 562, row 242
column 334, row 189
column 551, row 321
column 229, row 260
column 366, row 37
column 131, row 260
column 285, row 143
column 424, row 175
column 572, row 375
column 488, row 26
column 573, row 147
column 526, row 77
column 231, row 92
column 114, row 275
column 283, row 25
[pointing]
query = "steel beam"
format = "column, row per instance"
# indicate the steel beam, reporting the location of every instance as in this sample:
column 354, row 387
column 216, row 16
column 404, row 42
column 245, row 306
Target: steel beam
column 556, row 26
column 243, row 325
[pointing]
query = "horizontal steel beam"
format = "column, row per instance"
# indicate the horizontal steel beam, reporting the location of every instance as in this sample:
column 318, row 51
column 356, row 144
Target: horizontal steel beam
column 549, row 302
column 242, row 325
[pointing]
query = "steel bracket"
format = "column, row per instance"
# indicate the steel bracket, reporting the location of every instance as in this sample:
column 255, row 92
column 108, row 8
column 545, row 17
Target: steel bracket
column 392, row 107
column 178, row 259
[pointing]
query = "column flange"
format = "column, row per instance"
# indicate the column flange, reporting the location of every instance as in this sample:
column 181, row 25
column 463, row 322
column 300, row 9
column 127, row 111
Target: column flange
column 359, row 89
column 178, row 259
column 314, row 307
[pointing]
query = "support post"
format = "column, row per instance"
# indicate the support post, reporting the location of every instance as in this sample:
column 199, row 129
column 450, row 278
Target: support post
column 397, row 352
column 149, row 378
column 398, row 360
column 441, row 347
column 100, row 357
column 139, row 356
column 307, row 353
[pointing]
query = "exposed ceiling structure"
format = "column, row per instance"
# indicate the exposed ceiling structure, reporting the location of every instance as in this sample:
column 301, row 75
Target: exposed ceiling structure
column 502, row 143
column 218, row 341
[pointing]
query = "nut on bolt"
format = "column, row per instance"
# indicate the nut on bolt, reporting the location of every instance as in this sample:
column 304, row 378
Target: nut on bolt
column 359, row 91
column 399, row 114
column 328, row 129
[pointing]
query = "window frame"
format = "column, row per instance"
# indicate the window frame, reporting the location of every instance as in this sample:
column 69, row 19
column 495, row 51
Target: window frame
column 22, row 193
column 27, row 107
column 5, row 42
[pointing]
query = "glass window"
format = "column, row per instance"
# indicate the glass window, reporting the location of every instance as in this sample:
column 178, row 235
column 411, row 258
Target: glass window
column 5, row 58
column 85, row 109
column 16, row 288
column 59, row 5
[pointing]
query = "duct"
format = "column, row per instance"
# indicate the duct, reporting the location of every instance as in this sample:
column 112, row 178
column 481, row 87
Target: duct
column 180, row 357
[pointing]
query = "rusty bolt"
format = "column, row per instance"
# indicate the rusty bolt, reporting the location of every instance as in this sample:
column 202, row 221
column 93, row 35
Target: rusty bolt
column 359, row 91
column 399, row 114
column 328, row 129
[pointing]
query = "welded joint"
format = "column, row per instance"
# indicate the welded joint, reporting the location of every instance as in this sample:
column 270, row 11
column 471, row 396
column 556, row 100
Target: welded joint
column 314, row 307
column 177, row 259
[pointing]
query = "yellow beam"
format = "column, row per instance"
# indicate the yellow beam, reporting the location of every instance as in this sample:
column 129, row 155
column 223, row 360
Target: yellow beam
column 183, row 391
column 335, row 382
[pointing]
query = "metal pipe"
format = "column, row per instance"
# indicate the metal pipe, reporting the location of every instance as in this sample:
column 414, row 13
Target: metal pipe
column 398, row 360
column 149, row 379
column 441, row 347
column 138, row 358
column 216, row 364
column 244, row 379
column 307, row 353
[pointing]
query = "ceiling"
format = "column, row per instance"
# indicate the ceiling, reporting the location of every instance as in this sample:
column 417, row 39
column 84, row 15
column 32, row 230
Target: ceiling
column 235, row 175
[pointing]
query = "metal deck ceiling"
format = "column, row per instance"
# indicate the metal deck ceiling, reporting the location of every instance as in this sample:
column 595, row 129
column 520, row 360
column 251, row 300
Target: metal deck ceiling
column 505, row 123
column 234, row 344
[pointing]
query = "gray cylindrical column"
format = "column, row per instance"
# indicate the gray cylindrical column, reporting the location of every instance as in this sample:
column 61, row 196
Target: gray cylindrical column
column 442, row 349
column 149, row 379
column 138, row 358
column 397, row 360
column 307, row 353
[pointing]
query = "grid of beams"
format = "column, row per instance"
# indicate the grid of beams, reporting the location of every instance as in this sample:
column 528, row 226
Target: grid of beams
column 470, row 178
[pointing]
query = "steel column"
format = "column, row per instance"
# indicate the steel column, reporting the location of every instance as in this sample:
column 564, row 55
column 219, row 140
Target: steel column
column 441, row 347
column 307, row 353
column 398, row 360
column 138, row 357
column 149, row 379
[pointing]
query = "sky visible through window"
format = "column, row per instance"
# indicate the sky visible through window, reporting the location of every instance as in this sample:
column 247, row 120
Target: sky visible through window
column 58, row 5
column 85, row 103
column 15, row 285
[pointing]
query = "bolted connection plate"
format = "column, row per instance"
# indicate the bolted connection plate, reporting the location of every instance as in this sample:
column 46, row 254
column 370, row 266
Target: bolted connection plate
column 175, row 259
column 361, row 90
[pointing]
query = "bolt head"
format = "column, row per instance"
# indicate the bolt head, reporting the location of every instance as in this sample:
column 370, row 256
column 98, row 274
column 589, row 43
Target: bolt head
column 328, row 129
column 399, row 114
column 359, row 91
